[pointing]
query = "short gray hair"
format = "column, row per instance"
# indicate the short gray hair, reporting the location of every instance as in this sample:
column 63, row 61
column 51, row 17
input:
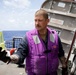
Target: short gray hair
column 42, row 12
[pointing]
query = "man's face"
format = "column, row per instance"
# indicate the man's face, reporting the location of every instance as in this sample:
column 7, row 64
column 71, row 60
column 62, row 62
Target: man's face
column 40, row 22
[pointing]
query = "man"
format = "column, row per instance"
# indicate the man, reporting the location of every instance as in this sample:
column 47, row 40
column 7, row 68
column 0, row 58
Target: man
column 42, row 49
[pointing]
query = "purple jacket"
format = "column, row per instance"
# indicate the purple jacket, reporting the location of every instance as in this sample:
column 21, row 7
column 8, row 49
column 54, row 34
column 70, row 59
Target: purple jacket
column 38, row 60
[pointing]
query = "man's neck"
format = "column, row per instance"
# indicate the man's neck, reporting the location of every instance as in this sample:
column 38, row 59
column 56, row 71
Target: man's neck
column 43, row 34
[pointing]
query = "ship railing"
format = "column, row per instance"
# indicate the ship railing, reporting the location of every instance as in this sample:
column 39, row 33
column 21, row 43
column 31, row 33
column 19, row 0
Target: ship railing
column 14, row 43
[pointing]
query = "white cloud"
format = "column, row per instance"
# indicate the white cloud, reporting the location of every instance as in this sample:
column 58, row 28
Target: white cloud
column 17, row 3
column 12, row 20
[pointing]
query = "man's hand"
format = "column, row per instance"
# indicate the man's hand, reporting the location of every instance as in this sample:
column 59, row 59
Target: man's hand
column 14, row 58
column 64, row 66
column 3, row 56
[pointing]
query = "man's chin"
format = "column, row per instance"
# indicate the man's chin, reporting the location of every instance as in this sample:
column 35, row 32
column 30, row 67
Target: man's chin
column 38, row 29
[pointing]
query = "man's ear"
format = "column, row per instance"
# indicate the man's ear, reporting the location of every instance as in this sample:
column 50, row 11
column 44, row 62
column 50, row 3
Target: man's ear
column 48, row 20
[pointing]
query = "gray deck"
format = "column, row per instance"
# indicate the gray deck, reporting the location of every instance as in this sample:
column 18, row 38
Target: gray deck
column 11, row 69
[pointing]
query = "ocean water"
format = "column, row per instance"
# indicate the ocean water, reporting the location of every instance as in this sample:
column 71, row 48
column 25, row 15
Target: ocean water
column 8, row 35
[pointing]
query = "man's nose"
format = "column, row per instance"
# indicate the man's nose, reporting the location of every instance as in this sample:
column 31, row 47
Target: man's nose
column 37, row 22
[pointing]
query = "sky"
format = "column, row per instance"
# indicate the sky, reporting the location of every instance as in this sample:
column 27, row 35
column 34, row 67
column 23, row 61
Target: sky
column 18, row 14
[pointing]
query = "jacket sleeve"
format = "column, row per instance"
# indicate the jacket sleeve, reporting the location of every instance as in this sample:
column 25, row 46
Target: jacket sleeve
column 22, row 51
column 61, row 51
